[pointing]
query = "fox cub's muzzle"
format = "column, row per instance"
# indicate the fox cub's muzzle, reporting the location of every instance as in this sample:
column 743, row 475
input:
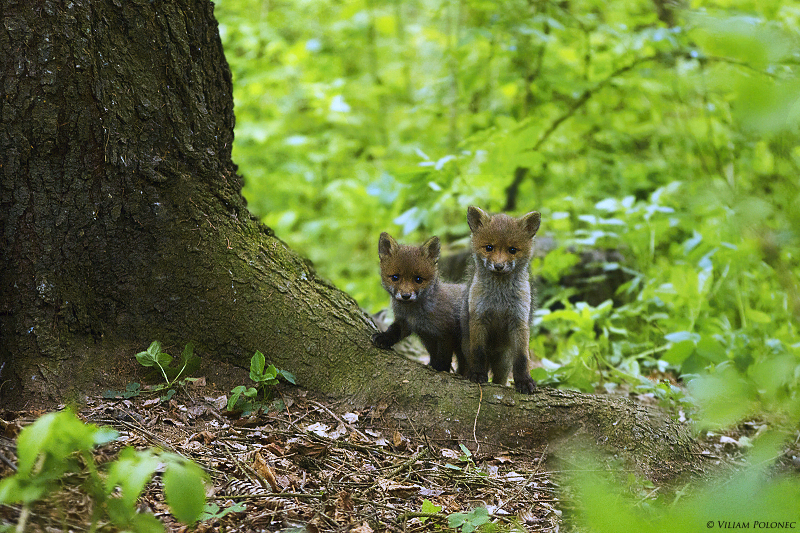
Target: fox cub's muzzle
column 500, row 267
column 405, row 296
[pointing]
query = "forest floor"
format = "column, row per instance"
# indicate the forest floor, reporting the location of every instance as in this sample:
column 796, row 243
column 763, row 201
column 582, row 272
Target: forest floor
column 312, row 465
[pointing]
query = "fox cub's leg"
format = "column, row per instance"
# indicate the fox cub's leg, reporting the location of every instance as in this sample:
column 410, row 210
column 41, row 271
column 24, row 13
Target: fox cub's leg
column 441, row 352
column 386, row 339
column 501, row 363
column 478, row 365
column 461, row 362
column 519, row 351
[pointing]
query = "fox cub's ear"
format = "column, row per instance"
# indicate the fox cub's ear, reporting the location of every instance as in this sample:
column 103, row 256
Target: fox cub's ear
column 386, row 245
column 476, row 217
column 530, row 223
column 431, row 248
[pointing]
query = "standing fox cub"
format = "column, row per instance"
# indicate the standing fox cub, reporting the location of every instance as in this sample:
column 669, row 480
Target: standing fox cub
column 421, row 303
column 496, row 309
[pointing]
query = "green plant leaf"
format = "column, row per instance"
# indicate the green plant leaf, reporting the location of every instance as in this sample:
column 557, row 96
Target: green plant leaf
column 168, row 396
column 184, row 490
column 429, row 507
column 14, row 490
column 154, row 349
column 236, row 393
column 466, row 454
column 257, row 363
column 104, row 435
column 679, row 351
column 754, row 315
column 149, row 356
column 212, row 511
column 189, row 361
column 145, row 523
column 469, row 522
column 153, row 356
column 277, row 406
column 288, row 376
column 32, row 440
column 269, row 376
column 130, row 472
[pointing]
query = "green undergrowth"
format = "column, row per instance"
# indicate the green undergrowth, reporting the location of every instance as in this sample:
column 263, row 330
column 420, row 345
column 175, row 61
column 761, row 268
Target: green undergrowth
column 56, row 451
column 667, row 136
column 670, row 138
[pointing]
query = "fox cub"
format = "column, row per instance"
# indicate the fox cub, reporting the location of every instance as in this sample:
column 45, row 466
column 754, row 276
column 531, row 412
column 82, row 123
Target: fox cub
column 421, row 303
column 496, row 308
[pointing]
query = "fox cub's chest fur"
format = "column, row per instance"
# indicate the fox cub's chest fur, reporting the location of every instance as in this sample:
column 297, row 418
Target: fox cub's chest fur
column 496, row 310
column 498, row 300
column 421, row 303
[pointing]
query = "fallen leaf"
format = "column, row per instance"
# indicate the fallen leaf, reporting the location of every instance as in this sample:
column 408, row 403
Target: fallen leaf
column 204, row 436
column 261, row 466
column 447, row 453
column 319, row 429
column 399, row 441
column 339, row 432
column 514, row 477
column 305, row 447
column 398, row 489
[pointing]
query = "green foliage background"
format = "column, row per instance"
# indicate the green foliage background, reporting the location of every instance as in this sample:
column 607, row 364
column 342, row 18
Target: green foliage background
column 671, row 136
column 672, row 139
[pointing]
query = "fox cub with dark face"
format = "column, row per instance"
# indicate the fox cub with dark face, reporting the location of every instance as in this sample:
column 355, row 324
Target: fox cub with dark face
column 421, row 303
column 496, row 309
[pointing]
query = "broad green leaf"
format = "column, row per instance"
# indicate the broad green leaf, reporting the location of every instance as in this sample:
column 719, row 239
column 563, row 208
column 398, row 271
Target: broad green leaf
column 288, row 376
column 104, row 435
column 184, row 490
column 153, row 356
column 14, row 490
column 679, row 351
column 33, row 440
column 145, row 523
column 154, row 349
column 429, row 507
column 234, row 397
column 270, row 373
column 759, row 317
column 257, row 363
column 131, row 472
column 724, row 397
column 212, row 511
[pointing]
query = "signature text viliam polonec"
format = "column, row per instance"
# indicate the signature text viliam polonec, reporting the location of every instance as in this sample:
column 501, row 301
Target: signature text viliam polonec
column 755, row 524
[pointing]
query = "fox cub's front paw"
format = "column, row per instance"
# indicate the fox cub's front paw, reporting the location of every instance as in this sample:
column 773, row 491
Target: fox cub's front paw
column 478, row 377
column 525, row 386
column 382, row 340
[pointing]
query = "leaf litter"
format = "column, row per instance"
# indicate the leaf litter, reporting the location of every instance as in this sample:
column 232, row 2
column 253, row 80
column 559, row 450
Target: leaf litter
column 314, row 466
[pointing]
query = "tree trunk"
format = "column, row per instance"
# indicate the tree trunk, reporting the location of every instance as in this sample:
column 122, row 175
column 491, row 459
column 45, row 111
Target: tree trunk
column 122, row 222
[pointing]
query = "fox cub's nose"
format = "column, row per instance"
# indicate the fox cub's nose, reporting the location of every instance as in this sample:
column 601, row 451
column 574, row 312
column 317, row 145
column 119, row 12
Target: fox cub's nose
column 406, row 295
column 499, row 267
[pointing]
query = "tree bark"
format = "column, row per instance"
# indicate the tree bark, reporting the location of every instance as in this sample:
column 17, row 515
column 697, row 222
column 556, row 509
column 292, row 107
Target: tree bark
column 122, row 222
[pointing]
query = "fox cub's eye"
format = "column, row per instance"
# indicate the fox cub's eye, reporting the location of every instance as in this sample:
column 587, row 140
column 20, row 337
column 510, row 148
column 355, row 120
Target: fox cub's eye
column 394, row 277
column 489, row 247
column 512, row 250
column 417, row 279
